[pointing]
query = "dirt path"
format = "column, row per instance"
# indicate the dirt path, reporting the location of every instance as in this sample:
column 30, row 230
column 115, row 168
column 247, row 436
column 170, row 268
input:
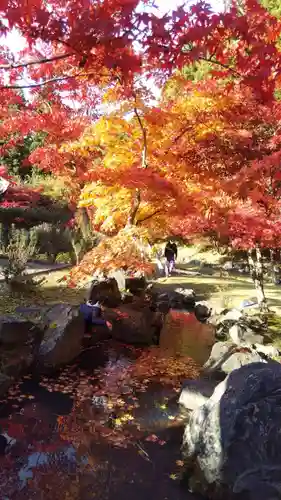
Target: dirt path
column 221, row 292
column 34, row 268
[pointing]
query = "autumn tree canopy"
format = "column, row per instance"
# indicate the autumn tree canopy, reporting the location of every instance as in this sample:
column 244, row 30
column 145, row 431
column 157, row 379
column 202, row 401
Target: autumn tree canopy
column 191, row 162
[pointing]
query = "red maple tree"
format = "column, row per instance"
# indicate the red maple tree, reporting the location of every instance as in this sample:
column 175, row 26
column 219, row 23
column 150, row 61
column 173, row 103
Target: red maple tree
column 85, row 50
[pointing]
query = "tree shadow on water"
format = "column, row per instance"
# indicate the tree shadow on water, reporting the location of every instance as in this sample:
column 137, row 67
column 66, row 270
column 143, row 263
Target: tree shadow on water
column 145, row 470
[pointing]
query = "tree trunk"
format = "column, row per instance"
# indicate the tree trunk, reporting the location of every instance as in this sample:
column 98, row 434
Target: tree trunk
column 134, row 208
column 83, row 222
column 256, row 269
column 136, row 201
column 272, row 265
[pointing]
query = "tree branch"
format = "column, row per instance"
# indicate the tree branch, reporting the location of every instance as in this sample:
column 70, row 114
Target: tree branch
column 39, row 61
column 34, row 85
column 134, row 208
column 148, row 216
column 144, row 136
column 179, row 136
column 212, row 61
column 45, row 82
column 41, row 84
column 137, row 195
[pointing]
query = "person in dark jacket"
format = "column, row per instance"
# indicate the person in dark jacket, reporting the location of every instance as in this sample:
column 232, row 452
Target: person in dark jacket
column 93, row 315
column 171, row 253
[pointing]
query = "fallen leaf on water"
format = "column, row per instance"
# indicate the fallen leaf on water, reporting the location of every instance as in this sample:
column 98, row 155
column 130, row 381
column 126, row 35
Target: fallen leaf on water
column 127, row 417
column 118, row 422
column 173, row 476
column 180, row 463
column 152, row 438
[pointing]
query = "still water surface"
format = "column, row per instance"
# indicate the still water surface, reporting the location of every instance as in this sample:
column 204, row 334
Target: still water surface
column 51, row 460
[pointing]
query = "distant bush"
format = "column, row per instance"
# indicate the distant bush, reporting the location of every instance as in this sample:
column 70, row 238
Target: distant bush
column 20, row 249
column 55, row 187
column 64, row 258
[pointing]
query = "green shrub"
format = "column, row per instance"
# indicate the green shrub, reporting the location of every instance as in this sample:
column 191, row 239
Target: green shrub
column 63, row 258
column 20, row 249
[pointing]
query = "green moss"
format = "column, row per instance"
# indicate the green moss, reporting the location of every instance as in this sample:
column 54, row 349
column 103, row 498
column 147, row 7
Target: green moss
column 274, row 329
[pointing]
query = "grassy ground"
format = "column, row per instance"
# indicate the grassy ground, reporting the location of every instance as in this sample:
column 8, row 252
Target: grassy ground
column 52, row 290
column 225, row 292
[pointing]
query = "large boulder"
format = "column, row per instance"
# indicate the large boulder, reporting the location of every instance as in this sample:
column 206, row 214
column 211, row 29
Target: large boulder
column 5, row 383
column 241, row 358
column 195, row 393
column 63, row 336
column 202, row 311
column 106, row 291
column 15, row 330
column 240, row 328
column 135, row 285
column 180, row 299
column 19, row 344
column 241, row 334
column 185, row 297
column 160, row 302
column 232, row 444
column 226, row 357
column 268, row 351
column 133, row 324
column 183, row 334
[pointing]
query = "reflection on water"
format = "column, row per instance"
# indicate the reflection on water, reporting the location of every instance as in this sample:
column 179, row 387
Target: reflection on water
column 57, row 454
column 184, row 334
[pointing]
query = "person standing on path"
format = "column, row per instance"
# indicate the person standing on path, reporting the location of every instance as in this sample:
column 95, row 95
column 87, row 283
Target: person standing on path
column 171, row 253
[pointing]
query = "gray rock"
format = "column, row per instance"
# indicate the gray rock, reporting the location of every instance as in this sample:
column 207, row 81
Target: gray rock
column 15, row 330
column 238, row 359
column 227, row 266
column 135, row 285
column 186, row 292
column 196, row 392
column 185, row 297
column 202, row 311
column 232, row 315
column 236, row 333
column 181, row 299
column 132, row 324
column 106, row 291
column 19, row 344
column 239, row 334
column 220, row 352
column 5, row 383
column 232, row 444
column 250, row 339
column 63, row 335
column 267, row 350
column 194, row 262
column 227, row 356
